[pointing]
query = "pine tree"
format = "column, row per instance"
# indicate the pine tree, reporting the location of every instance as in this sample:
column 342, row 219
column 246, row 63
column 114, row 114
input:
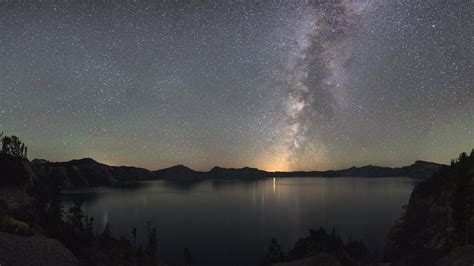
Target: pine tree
column 188, row 258
column 134, row 234
column 152, row 243
column 275, row 253
column 75, row 216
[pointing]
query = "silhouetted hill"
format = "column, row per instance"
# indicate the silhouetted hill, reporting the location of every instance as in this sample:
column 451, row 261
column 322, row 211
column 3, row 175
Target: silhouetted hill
column 179, row 172
column 90, row 173
column 86, row 173
column 419, row 169
column 236, row 173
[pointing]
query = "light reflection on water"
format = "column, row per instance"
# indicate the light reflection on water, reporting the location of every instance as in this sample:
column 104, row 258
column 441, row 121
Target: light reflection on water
column 229, row 222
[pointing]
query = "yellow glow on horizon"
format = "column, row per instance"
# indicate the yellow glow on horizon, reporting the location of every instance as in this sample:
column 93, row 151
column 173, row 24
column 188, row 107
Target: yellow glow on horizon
column 274, row 166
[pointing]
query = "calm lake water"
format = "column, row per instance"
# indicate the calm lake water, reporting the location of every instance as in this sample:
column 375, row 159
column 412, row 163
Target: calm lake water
column 232, row 222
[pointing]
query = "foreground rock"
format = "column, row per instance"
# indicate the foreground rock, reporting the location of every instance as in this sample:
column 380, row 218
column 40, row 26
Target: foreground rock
column 321, row 259
column 458, row 257
column 33, row 250
column 16, row 198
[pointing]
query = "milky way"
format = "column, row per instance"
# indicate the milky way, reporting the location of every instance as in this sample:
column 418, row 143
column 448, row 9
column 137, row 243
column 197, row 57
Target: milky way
column 269, row 84
column 321, row 38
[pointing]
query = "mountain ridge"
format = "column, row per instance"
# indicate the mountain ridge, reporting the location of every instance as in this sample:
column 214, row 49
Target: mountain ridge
column 87, row 172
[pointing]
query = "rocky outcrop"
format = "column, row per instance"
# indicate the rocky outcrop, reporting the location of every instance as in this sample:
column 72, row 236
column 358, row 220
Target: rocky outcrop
column 437, row 219
column 16, row 202
column 33, row 250
column 322, row 259
column 420, row 169
column 458, row 257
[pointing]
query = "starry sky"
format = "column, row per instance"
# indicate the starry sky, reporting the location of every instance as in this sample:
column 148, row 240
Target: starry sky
column 278, row 85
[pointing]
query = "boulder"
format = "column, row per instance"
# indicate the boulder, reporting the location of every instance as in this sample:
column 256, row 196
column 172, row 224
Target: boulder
column 33, row 250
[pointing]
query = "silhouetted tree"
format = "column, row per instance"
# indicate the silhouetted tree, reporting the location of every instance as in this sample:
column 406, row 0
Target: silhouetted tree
column 14, row 166
column 134, row 234
column 463, row 200
column 76, row 215
column 188, row 258
column 107, row 233
column 275, row 253
column 12, row 146
column 140, row 255
column 152, row 243
column 89, row 227
column 54, row 217
column 462, row 157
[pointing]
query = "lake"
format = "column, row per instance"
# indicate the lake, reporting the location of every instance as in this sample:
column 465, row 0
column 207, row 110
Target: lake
column 232, row 222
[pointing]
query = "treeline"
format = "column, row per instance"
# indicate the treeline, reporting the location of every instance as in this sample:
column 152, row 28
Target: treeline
column 14, row 165
column 76, row 231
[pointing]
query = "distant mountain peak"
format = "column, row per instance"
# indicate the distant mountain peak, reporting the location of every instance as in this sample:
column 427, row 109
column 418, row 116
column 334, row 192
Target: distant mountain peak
column 84, row 161
column 420, row 162
column 242, row 168
column 36, row 162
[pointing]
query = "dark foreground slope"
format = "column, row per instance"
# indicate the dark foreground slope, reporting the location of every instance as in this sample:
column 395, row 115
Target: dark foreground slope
column 34, row 250
column 438, row 218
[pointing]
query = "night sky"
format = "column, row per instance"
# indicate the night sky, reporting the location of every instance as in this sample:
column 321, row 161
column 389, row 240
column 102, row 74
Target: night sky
column 268, row 84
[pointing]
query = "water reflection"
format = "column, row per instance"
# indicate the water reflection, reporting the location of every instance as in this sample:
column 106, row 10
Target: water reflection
column 274, row 185
column 223, row 222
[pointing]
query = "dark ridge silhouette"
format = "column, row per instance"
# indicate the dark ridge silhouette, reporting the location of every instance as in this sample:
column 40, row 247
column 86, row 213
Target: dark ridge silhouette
column 90, row 173
column 420, row 169
column 87, row 173
column 236, row 173
column 179, row 172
